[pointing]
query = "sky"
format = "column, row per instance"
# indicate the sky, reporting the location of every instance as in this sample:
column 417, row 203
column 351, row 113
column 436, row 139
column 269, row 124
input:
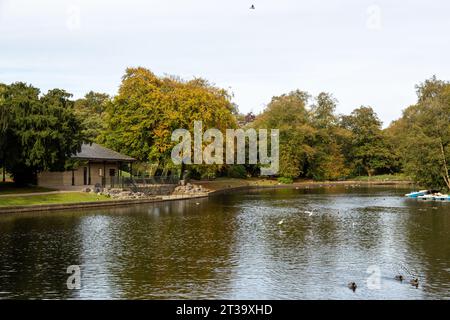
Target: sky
column 363, row 52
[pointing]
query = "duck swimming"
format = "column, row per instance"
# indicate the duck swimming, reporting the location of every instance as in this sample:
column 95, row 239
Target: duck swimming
column 352, row 286
column 399, row 278
column 415, row 282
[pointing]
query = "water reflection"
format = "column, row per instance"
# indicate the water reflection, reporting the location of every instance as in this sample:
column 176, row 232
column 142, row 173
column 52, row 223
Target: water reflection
column 234, row 246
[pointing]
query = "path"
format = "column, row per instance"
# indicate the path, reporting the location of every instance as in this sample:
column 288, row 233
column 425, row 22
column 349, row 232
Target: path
column 36, row 193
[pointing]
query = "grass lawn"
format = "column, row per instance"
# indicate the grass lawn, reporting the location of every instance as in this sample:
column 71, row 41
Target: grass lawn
column 384, row 177
column 224, row 183
column 11, row 188
column 68, row 197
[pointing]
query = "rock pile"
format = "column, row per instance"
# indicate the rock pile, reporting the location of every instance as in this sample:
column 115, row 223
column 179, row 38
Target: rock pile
column 118, row 194
column 190, row 189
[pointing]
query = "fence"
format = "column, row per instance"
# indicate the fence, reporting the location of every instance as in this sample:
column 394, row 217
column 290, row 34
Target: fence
column 139, row 183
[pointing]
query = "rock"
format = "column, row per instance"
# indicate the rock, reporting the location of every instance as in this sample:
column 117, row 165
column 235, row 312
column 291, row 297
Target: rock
column 189, row 189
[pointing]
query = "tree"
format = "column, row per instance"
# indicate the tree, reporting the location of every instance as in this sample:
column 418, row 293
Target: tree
column 141, row 118
column 4, row 122
column 323, row 111
column 328, row 162
column 288, row 113
column 368, row 148
column 423, row 135
column 42, row 132
column 91, row 111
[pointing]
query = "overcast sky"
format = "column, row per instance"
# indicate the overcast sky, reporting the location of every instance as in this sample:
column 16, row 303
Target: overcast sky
column 363, row 52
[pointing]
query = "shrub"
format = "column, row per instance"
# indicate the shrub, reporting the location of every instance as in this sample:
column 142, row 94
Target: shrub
column 236, row 171
column 285, row 180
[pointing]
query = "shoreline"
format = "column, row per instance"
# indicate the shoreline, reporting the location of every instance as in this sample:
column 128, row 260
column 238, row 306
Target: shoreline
column 249, row 185
column 307, row 185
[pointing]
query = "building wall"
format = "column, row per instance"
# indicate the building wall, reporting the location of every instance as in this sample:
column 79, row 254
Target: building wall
column 64, row 178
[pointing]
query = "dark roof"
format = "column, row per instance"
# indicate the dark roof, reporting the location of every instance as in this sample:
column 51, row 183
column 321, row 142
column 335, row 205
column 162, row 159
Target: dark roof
column 97, row 152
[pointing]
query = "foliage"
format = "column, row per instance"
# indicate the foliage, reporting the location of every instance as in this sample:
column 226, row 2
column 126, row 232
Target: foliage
column 41, row 132
column 423, row 135
column 368, row 149
column 285, row 180
column 236, row 171
column 328, row 162
column 142, row 117
column 288, row 114
column 91, row 111
column 310, row 138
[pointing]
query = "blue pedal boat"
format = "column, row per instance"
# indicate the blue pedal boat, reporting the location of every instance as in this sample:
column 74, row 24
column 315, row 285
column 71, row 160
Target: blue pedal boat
column 417, row 194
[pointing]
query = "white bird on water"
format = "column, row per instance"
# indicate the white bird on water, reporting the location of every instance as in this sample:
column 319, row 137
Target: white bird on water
column 281, row 222
column 310, row 213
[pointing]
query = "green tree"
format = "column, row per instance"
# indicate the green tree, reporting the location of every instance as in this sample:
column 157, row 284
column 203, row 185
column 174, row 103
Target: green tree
column 91, row 111
column 4, row 121
column 42, row 132
column 141, row 118
column 367, row 149
column 423, row 135
column 288, row 113
column 328, row 162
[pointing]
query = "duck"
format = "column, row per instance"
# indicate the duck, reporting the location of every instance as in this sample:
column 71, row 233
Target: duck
column 352, row 286
column 281, row 222
column 415, row 282
column 399, row 278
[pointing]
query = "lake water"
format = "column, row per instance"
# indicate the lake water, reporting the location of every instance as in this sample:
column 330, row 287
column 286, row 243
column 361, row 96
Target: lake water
column 234, row 247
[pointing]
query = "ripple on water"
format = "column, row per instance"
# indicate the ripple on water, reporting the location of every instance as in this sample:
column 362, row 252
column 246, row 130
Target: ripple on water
column 277, row 244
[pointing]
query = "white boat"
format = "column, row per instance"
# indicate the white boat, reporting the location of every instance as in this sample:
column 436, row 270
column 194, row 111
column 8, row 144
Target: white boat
column 442, row 197
column 427, row 197
column 417, row 194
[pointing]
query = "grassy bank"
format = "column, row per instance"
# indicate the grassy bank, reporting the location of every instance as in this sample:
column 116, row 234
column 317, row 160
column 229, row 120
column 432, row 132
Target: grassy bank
column 68, row 197
column 226, row 183
column 383, row 178
column 11, row 188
